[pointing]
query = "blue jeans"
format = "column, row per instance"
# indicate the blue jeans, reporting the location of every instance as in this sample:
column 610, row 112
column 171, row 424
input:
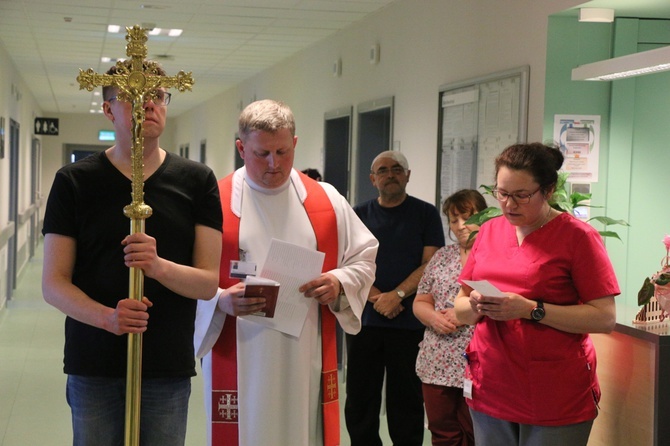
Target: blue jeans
column 98, row 410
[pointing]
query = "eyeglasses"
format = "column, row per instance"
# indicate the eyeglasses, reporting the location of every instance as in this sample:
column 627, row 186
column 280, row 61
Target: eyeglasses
column 396, row 170
column 161, row 98
column 518, row 198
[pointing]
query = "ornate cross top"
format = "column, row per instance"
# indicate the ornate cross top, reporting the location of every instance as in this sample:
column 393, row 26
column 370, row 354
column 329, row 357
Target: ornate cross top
column 136, row 85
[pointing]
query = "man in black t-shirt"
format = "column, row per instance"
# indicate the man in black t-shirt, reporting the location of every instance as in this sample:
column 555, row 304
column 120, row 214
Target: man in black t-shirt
column 409, row 231
column 87, row 256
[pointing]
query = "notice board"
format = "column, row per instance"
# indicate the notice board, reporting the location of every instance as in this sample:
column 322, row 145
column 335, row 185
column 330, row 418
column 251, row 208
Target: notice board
column 478, row 118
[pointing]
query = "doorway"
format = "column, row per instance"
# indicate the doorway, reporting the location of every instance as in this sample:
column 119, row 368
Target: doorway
column 35, row 169
column 337, row 144
column 12, row 244
column 375, row 135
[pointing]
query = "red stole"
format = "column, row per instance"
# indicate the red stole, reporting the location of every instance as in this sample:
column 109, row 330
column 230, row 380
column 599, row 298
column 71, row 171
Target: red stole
column 224, row 354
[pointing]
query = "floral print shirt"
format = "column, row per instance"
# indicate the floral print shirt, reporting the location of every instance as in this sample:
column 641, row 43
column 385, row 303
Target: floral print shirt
column 440, row 360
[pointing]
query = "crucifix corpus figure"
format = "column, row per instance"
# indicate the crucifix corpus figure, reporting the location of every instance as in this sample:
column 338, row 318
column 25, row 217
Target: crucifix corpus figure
column 89, row 254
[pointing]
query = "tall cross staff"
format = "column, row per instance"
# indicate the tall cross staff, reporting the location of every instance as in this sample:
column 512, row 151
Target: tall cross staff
column 137, row 85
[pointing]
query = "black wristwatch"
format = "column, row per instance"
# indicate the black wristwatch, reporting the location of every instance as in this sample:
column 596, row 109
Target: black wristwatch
column 537, row 313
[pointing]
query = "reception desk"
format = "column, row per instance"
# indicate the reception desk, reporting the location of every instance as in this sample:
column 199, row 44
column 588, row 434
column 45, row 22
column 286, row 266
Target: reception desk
column 634, row 373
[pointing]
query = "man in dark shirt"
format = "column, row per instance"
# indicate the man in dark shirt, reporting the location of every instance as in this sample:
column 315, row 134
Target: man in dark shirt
column 87, row 255
column 409, row 231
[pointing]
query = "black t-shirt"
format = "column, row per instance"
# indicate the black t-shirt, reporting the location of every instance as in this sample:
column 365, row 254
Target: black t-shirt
column 86, row 203
column 403, row 231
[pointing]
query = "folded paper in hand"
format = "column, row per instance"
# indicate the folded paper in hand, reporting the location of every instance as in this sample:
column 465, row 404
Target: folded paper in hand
column 261, row 287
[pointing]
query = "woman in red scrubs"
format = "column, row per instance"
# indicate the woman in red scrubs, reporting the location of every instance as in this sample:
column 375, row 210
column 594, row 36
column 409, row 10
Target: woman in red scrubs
column 531, row 374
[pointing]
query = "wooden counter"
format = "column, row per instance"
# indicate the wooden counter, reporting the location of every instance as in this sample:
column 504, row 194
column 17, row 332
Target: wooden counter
column 634, row 373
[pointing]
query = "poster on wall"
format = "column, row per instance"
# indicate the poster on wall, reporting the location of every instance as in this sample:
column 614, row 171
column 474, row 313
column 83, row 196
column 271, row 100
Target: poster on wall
column 478, row 118
column 578, row 137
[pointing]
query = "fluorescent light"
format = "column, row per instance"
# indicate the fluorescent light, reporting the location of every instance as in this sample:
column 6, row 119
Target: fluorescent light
column 598, row 15
column 175, row 32
column 113, row 28
column 645, row 62
column 155, row 32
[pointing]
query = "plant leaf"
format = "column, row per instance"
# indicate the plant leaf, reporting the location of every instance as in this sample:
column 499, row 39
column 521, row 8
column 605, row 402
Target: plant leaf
column 559, row 199
column 482, row 217
column 610, row 234
column 609, row 221
column 577, row 197
column 488, row 190
column 646, row 292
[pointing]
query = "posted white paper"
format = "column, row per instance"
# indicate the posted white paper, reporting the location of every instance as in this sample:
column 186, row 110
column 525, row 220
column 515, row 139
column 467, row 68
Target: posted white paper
column 290, row 265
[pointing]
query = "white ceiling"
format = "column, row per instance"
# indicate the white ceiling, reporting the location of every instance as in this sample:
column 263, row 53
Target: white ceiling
column 223, row 43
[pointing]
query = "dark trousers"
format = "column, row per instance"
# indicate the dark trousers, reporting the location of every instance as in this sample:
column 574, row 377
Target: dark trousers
column 448, row 416
column 369, row 354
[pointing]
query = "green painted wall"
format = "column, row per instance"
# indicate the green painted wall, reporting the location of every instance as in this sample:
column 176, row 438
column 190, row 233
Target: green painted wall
column 634, row 172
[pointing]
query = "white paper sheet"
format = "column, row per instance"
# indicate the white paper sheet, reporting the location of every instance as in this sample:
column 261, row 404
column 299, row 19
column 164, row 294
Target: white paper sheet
column 292, row 266
column 485, row 287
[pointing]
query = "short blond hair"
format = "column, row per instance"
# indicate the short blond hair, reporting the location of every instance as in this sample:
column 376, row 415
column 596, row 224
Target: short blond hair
column 266, row 115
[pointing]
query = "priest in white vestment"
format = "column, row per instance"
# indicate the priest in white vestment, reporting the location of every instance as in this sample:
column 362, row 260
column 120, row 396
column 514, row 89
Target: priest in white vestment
column 279, row 375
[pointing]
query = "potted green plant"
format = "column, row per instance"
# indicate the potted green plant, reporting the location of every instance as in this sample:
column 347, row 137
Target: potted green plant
column 561, row 200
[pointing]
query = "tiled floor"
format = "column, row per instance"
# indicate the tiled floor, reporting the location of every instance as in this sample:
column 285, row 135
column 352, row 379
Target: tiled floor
column 33, row 410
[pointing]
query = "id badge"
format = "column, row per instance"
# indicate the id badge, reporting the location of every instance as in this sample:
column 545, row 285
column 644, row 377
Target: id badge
column 240, row 269
column 467, row 388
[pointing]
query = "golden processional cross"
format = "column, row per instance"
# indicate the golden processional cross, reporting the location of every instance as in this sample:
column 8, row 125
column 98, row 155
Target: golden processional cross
column 136, row 85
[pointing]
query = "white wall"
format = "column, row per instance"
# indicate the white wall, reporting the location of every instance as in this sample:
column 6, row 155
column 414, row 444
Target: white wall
column 17, row 104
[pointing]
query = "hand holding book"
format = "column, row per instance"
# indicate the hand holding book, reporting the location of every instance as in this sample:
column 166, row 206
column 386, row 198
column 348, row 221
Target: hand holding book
column 266, row 288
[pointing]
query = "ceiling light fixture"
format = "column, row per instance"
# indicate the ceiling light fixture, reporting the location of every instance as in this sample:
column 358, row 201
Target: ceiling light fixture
column 147, row 6
column 113, row 28
column 636, row 64
column 597, row 15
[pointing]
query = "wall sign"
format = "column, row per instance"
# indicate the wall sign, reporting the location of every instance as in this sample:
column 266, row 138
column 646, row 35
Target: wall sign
column 46, row 126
